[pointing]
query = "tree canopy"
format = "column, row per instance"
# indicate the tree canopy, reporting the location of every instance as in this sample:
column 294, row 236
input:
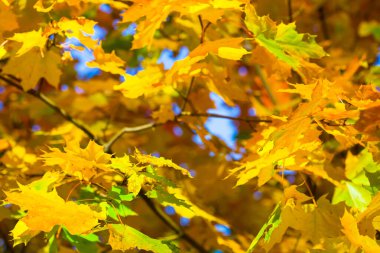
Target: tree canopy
column 189, row 126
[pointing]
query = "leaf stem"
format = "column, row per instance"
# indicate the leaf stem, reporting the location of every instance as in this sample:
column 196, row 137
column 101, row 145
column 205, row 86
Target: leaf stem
column 186, row 98
column 265, row 84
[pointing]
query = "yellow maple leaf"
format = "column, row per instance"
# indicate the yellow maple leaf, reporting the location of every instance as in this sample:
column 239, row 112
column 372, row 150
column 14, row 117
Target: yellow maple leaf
column 144, row 83
column 229, row 48
column 107, row 62
column 350, row 229
column 30, row 40
column 191, row 210
column 47, row 209
column 156, row 11
column 79, row 28
column 135, row 182
column 123, row 237
column 159, row 162
column 22, row 234
column 153, row 78
column 44, row 6
column 82, row 163
column 31, row 67
column 164, row 114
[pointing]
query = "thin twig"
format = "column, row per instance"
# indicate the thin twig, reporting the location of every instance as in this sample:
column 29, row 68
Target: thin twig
column 309, row 190
column 53, row 106
column 186, row 98
column 201, row 40
column 214, row 115
column 118, row 135
column 169, row 222
column 203, row 28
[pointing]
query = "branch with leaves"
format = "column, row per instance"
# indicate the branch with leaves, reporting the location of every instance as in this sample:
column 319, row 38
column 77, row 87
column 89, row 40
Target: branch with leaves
column 314, row 154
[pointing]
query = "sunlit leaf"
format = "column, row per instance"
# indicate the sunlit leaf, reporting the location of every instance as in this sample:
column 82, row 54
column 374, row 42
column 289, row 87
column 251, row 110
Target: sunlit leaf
column 123, row 237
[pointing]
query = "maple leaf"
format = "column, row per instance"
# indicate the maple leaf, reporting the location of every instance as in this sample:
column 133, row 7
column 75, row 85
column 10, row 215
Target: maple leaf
column 30, row 67
column 30, row 40
column 188, row 209
column 153, row 78
column 77, row 28
column 156, row 11
column 164, row 114
column 159, row 162
column 162, row 53
column 48, row 5
column 229, row 48
column 84, row 163
column 123, row 237
column 268, row 228
column 315, row 222
column 145, row 82
column 357, row 240
column 366, row 219
column 283, row 40
column 107, row 62
column 40, row 203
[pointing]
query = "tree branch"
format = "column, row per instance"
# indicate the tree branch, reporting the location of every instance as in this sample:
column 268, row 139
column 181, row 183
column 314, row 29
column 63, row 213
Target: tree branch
column 322, row 19
column 203, row 28
column 118, row 135
column 290, row 11
column 186, row 98
column 169, row 222
column 53, row 106
column 107, row 147
column 214, row 115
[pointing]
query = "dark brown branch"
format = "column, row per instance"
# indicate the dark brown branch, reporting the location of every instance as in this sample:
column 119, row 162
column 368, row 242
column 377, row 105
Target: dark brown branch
column 322, row 19
column 7, row 242
column 53, row 106
column 203, row 28
column 290, row 11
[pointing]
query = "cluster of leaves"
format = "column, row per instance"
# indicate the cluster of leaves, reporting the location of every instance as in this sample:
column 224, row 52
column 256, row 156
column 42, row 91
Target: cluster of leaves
column 75, row 169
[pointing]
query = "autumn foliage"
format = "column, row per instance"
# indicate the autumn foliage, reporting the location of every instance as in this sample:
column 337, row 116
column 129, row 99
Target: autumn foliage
column 189, row 126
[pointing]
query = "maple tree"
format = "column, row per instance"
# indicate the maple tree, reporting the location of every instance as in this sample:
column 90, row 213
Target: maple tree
column 189, row 126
